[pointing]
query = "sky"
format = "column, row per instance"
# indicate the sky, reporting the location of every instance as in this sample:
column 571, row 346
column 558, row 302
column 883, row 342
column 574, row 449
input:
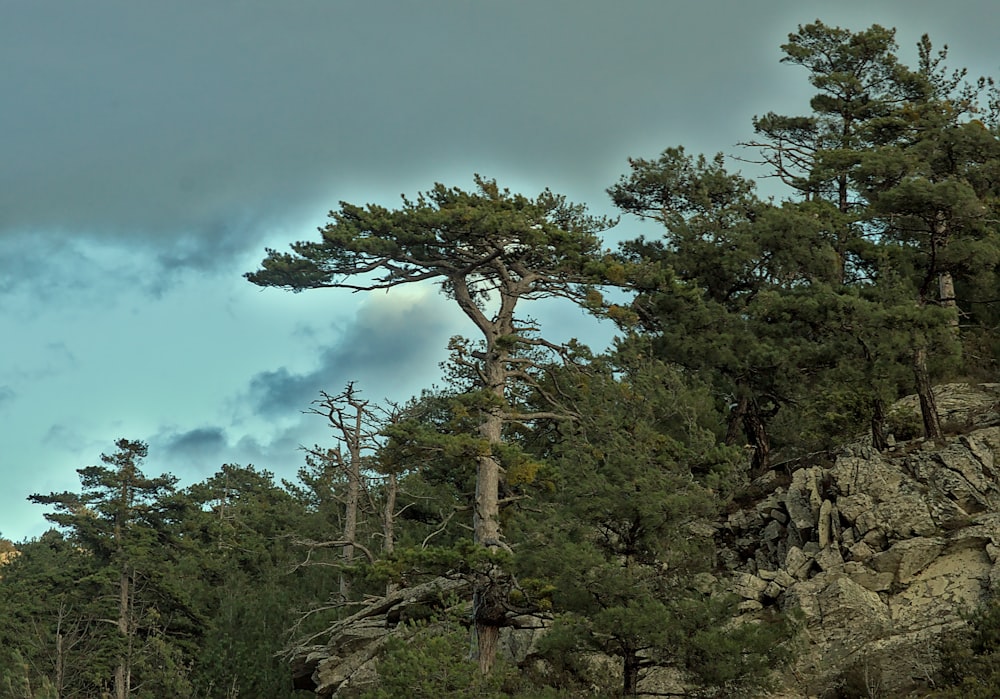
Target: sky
column 151, row 151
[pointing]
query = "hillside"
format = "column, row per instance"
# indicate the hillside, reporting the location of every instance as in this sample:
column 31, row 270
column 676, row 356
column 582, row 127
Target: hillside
column 881, row 555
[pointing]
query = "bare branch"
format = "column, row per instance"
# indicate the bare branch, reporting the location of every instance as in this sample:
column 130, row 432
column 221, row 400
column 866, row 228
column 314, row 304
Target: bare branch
column 444, row 525
column 337, row 543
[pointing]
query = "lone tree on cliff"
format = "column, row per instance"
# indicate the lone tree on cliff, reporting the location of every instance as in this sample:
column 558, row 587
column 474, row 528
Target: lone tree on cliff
column 489, row 250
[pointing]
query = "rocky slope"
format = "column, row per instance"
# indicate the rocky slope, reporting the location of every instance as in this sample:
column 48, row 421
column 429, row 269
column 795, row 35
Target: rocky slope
column 880, row 553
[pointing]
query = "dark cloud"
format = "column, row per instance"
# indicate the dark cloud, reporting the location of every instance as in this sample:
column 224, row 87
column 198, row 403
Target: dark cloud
column 187, row 126
column 282, row 453
column 193, row 443
column 184, row 128
column 198, row 453
column 57, row 267
column 280, row 391
column 390, row 348
column 6, row 394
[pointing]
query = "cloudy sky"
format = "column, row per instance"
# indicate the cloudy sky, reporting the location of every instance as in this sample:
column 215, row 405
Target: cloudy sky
column 149, row 151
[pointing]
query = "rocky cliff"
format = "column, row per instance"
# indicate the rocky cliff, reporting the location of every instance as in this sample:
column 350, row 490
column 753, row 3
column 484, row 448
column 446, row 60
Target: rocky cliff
column 880, row 553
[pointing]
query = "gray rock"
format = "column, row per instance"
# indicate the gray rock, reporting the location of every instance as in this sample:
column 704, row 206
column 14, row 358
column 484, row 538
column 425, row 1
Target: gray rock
column 829, row 559
column 907, row 558
column 825, row 530
column 749, row 586
column 868, row 578
column 921, row 539
column 798, row 563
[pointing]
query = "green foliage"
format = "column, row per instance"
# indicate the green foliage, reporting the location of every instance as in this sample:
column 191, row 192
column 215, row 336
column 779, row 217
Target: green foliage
column 18, row 682
column 122, row 615
column 434, row 662
column 238, row 566
column 612, row 554
column 737, row 288
column 814, row 314
column 971, row 662
column 444, row 234
column 904, row 424
column 729, row 658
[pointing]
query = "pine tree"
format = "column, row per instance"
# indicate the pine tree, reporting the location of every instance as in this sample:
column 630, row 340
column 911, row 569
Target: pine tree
column 489, row 250
column 612, row 550
column 708, row 291
column 120, row 518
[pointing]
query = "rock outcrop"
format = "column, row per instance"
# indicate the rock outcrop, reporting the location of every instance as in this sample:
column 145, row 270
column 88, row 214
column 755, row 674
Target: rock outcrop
column 881, row 553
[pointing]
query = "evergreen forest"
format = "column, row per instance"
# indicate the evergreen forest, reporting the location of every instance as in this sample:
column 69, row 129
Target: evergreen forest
column 546, row 478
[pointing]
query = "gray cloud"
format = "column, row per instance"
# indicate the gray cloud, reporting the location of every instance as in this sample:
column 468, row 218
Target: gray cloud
column 184, row 125
column 392, row 345
column 57, row 267
column 193, row 443
column 185, row 128
column 198, row 453
column 280, row 391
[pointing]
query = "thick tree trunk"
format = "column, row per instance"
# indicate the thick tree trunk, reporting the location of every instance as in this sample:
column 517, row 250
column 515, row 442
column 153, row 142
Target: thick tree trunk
column 489, row 594
column 631, row 674
column 746, row 418
column 489, row 616
column 486, row 512
column 928, row 406
column 492, row 587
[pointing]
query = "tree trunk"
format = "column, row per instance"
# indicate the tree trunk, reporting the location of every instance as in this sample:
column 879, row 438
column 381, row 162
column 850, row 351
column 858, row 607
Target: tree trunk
column 735, row 424
column 487, row 637
column 60, row 664
column 491, row 588
column 879, row 440
column 353, row 433
column 928, row 406
column 757, row 439
column 946, row 296
column 746, row 417
column 389, row 522
column 631, row 674
column 123, row 674
column 486, row 513
column 389, row 514
column 487, row 602
column 351, row 510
